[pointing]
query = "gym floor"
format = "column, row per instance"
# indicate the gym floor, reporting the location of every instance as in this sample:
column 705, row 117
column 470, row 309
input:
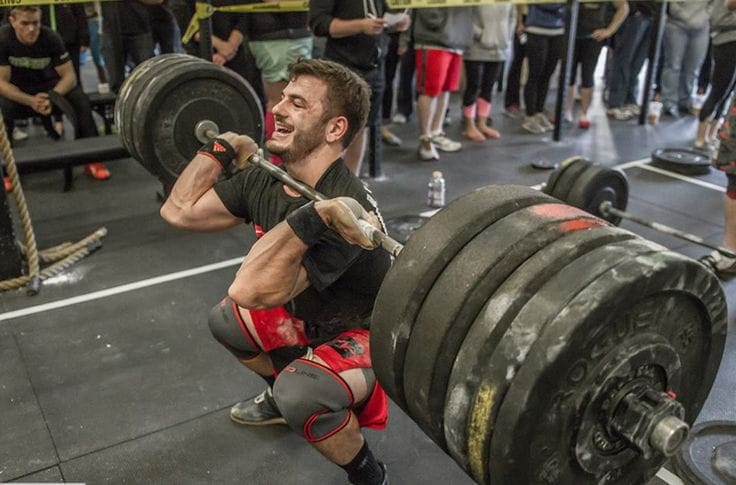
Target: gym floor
column 110, row 374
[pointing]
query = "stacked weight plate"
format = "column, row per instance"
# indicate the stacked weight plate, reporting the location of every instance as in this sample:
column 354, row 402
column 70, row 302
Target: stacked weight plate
column 165, row 98
column 510, row 321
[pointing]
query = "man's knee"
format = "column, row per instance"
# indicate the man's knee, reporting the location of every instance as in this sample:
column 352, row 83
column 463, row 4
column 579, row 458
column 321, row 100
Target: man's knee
column 228, row 328
column 315, row 401
column 731, row 186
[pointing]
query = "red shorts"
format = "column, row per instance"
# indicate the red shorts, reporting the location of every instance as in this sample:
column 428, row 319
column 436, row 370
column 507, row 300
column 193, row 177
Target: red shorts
column 350, row 350
column 437, row 71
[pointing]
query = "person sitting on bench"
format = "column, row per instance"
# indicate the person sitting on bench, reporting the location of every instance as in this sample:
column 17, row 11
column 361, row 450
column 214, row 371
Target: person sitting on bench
column 33, row 62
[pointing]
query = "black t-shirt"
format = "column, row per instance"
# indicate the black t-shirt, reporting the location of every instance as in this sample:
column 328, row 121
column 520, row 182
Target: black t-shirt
column 32, row 66
column 344, row 278
column 125, row 17
column 593, row 16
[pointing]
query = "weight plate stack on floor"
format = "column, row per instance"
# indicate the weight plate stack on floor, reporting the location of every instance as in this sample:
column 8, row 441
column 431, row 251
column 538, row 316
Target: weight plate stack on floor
column 549, row 187
column 416, row 268
column 567, row 177
column 681, row 160
column 646, row 336
column 461, row 290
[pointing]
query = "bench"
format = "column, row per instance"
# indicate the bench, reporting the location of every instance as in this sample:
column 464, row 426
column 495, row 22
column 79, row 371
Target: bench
column 68, row 153
column 104, row 105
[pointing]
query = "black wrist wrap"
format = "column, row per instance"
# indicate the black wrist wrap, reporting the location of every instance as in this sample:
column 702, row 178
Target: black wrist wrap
column 220, row 151
column 307, row 224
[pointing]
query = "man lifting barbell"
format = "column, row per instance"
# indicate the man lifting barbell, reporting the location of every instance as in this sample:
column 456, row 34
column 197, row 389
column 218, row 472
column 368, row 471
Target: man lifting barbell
column 298, row 309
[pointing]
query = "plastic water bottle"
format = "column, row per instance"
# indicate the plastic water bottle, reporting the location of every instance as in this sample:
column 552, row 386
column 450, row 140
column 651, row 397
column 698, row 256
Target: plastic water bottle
column 436, row 190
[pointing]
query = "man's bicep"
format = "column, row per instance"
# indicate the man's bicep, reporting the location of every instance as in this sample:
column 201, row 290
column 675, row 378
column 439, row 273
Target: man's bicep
column 65, row 69
column 209, row 213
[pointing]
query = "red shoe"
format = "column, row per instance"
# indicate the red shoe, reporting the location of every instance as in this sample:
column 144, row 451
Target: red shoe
column 8, row 184
column 97, row 171
column 584, row 124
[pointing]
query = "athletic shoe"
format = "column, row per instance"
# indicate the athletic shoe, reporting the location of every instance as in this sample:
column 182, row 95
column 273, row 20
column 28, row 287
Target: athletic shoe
column 97, row 171
column 259, row 411
column 620, row 114
column 583, row 123
column 531, row 124
column 8, row 184
column 544, row 122
column 514, row 111
column 390, row 139
column 427, row 153
column 634, row 109
column 445, row 144
column 19, row 135
column 718, row 263
column 703, row 146
column 399, row 119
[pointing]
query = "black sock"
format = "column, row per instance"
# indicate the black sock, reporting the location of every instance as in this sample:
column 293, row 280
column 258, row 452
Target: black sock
column 363, row 469
column 270, row 379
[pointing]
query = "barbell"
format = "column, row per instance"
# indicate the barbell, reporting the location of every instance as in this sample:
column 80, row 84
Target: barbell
column 531, row 340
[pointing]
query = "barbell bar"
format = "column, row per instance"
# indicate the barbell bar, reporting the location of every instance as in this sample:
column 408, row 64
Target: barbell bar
column 529, row 339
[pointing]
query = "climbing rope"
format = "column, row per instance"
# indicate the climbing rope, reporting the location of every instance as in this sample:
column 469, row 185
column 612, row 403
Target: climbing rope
column 61, row 256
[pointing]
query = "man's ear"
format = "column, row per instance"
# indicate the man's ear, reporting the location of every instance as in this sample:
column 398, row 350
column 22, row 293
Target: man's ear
column 336, row 129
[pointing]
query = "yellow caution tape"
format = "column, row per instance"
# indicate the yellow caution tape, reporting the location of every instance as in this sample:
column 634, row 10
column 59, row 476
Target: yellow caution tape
column 29, row 3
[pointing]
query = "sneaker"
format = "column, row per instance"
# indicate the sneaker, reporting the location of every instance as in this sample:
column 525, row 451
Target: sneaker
column 259, row 411
column 390, row 139
column 19, row 135
column 399, row 119
column 718, row 263
column 8, row 184
column 703, row 146
column 445, row 144
column 620, row 114
column 514, row 112
column 531, row 124
column 634, row 109
column 97, row 171
column 427, row 151
column 544, row 122
column 583, row 123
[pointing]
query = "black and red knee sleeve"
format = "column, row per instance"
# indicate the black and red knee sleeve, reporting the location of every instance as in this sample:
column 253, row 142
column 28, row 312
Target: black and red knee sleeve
column 731, row 186
column 228, row 328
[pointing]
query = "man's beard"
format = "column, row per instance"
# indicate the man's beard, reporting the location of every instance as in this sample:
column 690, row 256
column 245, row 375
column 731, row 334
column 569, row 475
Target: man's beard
column 302, row 144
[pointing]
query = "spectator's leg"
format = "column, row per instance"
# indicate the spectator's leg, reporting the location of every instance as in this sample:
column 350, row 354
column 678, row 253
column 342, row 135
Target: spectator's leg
column 95, row 48
column 590, row 55
column 675, row 42
column 512, row 98
column 555, row 46
column 9, row 109
column 113, row 48
column 729, row 211
column 473, row 70
column 491, row 74
column 641, row 51
column 706, row 70
column 536, row 49
column 622, row 56
column 406, row 95
column 391, row 63
column 695, row 51
column 83, row 112
column 141, row 48
column 724, row 63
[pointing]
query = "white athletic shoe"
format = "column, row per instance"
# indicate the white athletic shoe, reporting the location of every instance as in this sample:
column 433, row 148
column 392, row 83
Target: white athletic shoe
column 19, row 135
column 445, row 144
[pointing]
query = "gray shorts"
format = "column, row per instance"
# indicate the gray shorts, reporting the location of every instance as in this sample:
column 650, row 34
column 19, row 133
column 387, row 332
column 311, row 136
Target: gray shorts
column 273, row 57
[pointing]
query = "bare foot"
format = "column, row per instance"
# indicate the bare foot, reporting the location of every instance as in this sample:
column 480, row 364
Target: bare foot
column 472, row 133
column 489, row 132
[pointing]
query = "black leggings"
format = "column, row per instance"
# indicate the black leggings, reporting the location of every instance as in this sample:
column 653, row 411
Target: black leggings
column 722, row 82
column 587, row 51
column 480, row 76
column 543, row 52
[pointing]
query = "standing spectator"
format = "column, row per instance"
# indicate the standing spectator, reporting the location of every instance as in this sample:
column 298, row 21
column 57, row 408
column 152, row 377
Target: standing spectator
column 685, row 46
column 392, row 62
column 277, row 40
column 593, row 31
column 723, row 34
column 441, row 35
column 356, row 38
column 94, row 25
column 544, row 28
column 70, row 23
column 512, row 98
column 493, row 27
column 164, row 28
column 127, row 28
column 33, row 63
column 407, row 67
column 629, row 53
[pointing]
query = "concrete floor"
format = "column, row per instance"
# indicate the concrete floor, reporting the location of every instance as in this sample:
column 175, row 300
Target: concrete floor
column 127, row 386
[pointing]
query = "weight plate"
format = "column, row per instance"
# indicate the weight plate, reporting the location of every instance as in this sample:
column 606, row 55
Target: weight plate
column 681, row 160
column 420, row 262
column 599, row 184
column 567, row 178
column 552, row 180
column 460, row 292
column 401, row 228
column 178, row 100
column 497, row 344
column 705, row 456
column 671, row 300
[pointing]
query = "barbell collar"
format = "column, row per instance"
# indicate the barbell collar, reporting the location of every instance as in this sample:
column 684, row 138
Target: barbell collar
column 607, row 208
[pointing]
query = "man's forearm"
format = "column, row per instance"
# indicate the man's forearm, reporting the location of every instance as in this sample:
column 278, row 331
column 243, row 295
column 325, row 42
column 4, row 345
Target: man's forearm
column 345, row 28
column 65, row 85
column 11, row 91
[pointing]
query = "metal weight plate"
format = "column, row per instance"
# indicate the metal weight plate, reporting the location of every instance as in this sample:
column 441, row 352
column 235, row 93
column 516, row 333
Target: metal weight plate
column 567, row 178
column 497, row 342
column 420, row 262
column 709, row 454
column 462, row 289
column 401, row 228
column 658, row 318
column 596, row 185
column 125, row 114
column 555, row 175
column 681, row 160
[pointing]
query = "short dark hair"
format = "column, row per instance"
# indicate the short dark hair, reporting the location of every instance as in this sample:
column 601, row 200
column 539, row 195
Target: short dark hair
column 348, row 94
column 25, row 9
